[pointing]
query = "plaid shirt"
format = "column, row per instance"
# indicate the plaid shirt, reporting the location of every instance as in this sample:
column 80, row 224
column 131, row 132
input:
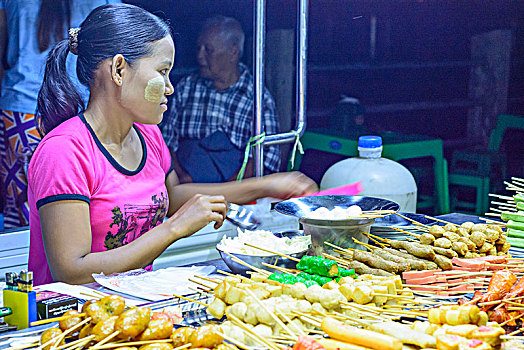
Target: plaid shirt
column 200, row 109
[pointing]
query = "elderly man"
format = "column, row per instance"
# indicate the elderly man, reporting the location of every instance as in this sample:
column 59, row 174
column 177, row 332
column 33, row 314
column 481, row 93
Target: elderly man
column 211, row 120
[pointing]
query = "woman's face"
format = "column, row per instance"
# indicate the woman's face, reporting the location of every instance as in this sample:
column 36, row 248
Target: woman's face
column 146, row 87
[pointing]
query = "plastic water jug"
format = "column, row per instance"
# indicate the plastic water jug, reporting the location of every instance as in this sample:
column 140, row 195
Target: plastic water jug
column 380, row 177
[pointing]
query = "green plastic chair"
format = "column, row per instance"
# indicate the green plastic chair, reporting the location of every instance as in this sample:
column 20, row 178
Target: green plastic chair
column 481, row 169
column 395, row 147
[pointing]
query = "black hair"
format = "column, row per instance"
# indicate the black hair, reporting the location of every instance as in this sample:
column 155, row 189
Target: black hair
column 107, row 31
column 53, row 16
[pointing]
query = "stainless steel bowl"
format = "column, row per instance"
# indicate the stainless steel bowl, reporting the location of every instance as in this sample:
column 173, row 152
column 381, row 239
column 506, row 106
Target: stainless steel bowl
column 337, row 232
column 257, row 260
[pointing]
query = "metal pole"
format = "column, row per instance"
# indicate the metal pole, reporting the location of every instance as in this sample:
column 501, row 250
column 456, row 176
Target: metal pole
column 259, row 42
column 302, row 13
column 259, row 45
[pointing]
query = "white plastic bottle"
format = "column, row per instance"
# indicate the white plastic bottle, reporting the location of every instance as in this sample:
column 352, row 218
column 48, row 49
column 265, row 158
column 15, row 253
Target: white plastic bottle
column 380, row 177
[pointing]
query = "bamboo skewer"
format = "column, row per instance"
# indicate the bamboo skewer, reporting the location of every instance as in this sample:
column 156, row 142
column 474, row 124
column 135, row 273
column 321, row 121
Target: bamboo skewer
column 275, row 317
column 60, row 337
column 80, row 344
column 105, row 340
column 254, row 335
column 231, row 340
column 54, row 319
column 133, row 343
column 405, row 232
column 415, row 222
column 273, row 252
column 207, row 279
column 202, row 284
column 189, row 299
column 256, row 269
column 279, row 268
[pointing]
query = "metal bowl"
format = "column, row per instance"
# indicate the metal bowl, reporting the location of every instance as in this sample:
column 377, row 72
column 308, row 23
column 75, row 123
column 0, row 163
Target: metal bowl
column 257, row 260
column 337, row 232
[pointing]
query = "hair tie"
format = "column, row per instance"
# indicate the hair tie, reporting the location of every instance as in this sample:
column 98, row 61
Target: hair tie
column 73, row 40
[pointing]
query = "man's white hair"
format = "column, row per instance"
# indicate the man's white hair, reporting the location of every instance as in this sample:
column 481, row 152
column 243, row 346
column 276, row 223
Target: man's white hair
column 230, row 30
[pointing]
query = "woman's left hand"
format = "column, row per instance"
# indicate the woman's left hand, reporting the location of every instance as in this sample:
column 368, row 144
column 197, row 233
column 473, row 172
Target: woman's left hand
column 288, row 185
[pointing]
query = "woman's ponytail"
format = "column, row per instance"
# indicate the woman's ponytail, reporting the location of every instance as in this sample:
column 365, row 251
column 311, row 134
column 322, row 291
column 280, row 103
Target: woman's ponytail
column 58, row 99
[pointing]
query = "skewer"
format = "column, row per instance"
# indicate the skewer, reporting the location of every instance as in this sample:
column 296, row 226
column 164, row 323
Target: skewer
column 207, row 279
column 500, row 196
column 516, row 332
column 185, row 346
column 369, row 247
column 513, row 187
column 382, row 245
column 60, row 318
column 413, row 221
column 494, row 222
column 60, row 337
column 278, row 268
column 235, row 259
column 229, row 339
column 80, row 343
column 133, row 343
column 201, row 290
column 421, row 286
column 298, row 329
column 273, row 252
column 189, row 299
column 105, row 340
column 379, row 238
column 253, row 335
column 340, row 248
column 406, row 232
column 439, row 220
column 275, row 317
column 202, row 284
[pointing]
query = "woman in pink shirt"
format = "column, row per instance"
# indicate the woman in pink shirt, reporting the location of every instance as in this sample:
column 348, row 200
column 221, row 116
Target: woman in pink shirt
column 101, row 182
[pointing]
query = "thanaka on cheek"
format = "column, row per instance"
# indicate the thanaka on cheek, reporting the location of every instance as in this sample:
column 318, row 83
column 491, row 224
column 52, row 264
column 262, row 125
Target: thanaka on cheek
column 155, row 90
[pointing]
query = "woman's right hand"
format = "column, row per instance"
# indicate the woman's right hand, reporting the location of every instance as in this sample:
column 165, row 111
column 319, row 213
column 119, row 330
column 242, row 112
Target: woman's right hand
column 196, row 213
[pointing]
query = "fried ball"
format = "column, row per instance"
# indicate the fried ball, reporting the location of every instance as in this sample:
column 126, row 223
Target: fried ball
column 478, row 237
column 452, row 236
column 48, row 335
column 181, row 336
column 156, row 346
column 469, row 244
column 486, row 247
column 132, row 322
column 437, row 231
column 492, row 235
column 206, row 337
column 479, row 227
column 495, row 227
column 450, row 227
column 156, row 329
column 71, row 321
column 427, row 238
column 467, row 225
column 462, row 232
column 460, row 247
column 443, row 243
column 104, row 328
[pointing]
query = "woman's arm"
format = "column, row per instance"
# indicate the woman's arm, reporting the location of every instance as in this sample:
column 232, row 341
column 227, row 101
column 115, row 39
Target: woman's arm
column 66, row 232
column 279, row 185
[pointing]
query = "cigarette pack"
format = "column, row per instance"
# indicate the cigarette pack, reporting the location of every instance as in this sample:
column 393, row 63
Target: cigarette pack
column 51, row 304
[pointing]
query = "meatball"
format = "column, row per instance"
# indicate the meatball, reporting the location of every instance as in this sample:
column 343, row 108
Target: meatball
column 443, row 243
column 427, row 239
column 437, row 231
column 477, row 237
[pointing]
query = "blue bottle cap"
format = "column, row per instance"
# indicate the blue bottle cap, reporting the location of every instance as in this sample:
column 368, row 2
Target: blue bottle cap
column 370, row 142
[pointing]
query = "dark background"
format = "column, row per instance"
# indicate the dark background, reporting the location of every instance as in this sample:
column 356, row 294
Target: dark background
column 407, row 32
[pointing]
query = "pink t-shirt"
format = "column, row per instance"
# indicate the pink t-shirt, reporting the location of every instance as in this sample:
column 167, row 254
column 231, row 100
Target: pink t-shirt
column 71, row 163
